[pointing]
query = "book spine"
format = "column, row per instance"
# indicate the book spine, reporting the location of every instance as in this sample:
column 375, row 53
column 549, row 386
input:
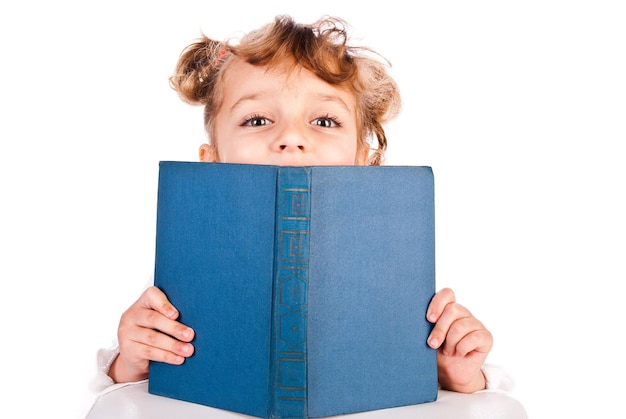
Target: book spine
column 291, row 274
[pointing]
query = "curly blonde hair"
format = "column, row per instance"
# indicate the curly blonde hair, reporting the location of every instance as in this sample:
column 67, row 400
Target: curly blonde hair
column 321, row 47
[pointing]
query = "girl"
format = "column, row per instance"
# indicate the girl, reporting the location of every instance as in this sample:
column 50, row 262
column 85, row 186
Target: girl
column 291, row 94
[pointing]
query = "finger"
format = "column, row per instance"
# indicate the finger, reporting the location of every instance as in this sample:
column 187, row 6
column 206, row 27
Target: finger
column 438, row 304
column 156, row 312
column 158, row 346
column 142, row 343
column 155, row 299
column 142, row 353
column 475, row 341
column 153, row 320
column 451, row 313
column 464, row 336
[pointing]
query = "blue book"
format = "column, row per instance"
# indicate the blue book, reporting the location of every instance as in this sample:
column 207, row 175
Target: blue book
column 307, row 287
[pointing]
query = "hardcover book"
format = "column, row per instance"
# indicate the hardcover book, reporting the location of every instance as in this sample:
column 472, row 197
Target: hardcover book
column 307, row 287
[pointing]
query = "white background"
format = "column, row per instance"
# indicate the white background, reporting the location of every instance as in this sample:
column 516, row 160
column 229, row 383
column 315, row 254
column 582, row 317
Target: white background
column 519, row 107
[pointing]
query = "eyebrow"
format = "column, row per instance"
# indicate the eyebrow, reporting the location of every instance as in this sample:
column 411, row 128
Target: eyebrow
column 333, row 98
column 246, row 98
column 320, row 96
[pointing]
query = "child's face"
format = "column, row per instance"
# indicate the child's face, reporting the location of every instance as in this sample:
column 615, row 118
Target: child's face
column 284, row 118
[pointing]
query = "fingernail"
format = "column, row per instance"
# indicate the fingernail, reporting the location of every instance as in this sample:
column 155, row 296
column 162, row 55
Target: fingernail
column 433, row 342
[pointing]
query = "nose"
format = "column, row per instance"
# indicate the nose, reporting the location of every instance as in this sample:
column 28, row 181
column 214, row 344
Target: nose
column 291, row 139
column 289, row 147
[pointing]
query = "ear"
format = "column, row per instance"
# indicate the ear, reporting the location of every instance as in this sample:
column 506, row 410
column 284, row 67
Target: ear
column 362, row 154
column 207, row 153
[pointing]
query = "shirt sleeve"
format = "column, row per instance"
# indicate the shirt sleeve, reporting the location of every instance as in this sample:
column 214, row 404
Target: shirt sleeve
column 497, row 378
column 104, row 359
column 102, row 383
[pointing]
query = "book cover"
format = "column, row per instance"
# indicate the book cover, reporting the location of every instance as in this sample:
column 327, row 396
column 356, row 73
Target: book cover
column 307, row 287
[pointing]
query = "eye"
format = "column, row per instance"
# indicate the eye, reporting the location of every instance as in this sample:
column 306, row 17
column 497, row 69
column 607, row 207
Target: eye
column 256, row 121
column 326, row 122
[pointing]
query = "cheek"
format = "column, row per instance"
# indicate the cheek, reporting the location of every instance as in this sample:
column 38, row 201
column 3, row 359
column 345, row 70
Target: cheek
column 243, row 155
column 340, row 156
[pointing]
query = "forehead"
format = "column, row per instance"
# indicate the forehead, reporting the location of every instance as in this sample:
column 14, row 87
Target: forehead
column 243, row 78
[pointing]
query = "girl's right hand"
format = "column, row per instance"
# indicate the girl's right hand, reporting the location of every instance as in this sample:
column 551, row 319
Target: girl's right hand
column 148, row 331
